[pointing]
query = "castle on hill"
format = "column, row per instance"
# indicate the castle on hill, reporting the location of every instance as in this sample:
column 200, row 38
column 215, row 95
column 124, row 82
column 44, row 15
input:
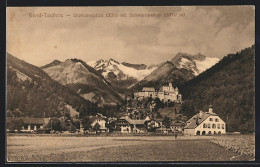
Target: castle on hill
column 165, row 93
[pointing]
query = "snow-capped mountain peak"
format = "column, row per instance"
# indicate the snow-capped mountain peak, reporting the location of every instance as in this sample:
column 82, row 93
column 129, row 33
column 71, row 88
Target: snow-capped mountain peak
column 197, row 63
column 120, row 70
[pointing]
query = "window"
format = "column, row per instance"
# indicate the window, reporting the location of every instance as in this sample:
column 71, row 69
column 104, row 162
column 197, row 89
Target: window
column 204, row 125
column 211, row 119
column 213, row 126
column 216, row 120
column 218, row 126
column 223, row 126
column 208, row 125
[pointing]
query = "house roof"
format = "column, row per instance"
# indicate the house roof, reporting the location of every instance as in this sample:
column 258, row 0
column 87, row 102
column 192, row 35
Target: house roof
column 177, row 124
column 28, row 120
column 197, row 120
column 134, row 121
column 93, row 118
column 111, row 119
column 153, row 119
column 148, row 89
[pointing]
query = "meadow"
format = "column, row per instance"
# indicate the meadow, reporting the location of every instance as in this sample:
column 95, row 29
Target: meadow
column 58, row 148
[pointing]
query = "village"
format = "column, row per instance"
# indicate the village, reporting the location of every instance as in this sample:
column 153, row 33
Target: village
column 146, row 111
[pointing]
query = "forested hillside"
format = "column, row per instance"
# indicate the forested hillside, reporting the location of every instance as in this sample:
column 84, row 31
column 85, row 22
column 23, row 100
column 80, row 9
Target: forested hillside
column 33, row 93
column 229, row 86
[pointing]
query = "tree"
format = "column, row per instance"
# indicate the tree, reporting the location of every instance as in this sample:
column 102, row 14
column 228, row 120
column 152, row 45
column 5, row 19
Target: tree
column 15, row 125
column 166, row 122
column 96, row 127
column 76, row 123
column 54, row 124
column 158, row 115
column 86, row 124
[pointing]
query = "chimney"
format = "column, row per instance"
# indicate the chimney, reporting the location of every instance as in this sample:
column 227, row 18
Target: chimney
column 201, row 113
column 210, row 109
column 170, row 84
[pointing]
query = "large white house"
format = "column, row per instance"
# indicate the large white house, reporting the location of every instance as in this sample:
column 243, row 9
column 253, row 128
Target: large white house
column 99, row 120
column 205, row 123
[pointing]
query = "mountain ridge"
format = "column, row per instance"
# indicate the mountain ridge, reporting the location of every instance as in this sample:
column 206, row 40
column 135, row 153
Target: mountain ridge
column 228, row 86
column 35, row 93
column 180, row 69
column 78, row 75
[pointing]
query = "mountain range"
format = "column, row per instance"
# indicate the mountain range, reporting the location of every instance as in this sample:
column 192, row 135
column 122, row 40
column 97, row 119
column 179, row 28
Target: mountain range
column 124, row 76
column 106, row 81
column 227, row 84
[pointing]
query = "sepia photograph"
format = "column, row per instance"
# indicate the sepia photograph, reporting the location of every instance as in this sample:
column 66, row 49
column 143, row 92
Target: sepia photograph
column 130, row 84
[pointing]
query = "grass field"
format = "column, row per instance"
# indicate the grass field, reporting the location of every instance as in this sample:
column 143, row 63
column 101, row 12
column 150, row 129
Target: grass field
column 51, row 148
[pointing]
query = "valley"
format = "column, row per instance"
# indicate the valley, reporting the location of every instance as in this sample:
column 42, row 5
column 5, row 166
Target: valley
column 115, row 90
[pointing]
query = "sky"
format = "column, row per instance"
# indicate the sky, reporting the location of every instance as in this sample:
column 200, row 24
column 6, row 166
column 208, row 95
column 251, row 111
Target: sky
column 209, row 30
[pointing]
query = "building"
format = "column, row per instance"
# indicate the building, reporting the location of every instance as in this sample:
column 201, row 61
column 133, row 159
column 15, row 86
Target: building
column 146, row 92
column 179, row 126
column 169, row 93
column 205, row 123
column 98, row 120
column 153, row 124
column 165, row 93
column 128, row 125
column 163, row 129
column 29, row 124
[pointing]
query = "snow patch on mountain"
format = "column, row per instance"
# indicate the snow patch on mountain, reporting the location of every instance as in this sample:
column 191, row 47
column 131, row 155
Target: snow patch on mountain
column 187, row 64
column 197, row 63
column 118, row 68
column 206, row 64
column 139, row 74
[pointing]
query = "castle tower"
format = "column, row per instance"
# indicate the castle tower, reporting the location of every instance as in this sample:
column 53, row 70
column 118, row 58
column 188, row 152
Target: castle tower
column 170, row 85
column 210, row 109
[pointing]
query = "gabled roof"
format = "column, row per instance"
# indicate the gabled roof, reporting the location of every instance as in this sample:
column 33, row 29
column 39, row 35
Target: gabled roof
column 134, row 121
column 154, row 119
column 177, row 124
column 148, row 89
column 197, row 120
column 93, row 118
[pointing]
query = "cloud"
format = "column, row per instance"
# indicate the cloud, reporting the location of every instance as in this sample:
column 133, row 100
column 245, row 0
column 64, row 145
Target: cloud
column 212, row 31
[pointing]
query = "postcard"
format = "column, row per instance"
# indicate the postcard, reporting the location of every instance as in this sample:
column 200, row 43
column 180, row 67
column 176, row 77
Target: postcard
column 130, row 84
